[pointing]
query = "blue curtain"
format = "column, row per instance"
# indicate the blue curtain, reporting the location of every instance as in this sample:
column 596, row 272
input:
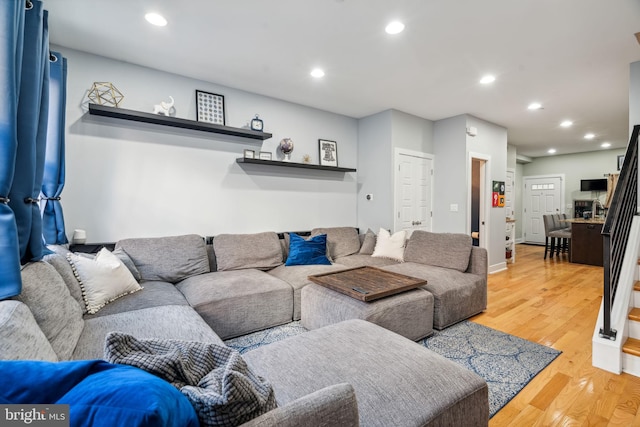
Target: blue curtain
column 54, row 168
column 24, row 80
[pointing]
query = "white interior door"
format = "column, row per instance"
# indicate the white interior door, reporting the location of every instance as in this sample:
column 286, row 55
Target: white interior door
column 413, row 191
column 542, row 195
column 509, row 195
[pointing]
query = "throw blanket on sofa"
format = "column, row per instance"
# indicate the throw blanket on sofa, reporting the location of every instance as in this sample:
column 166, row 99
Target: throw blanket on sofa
column 215, row 378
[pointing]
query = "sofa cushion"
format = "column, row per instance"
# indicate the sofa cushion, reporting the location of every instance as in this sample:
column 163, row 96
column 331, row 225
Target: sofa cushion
column 20, row 335
column 154, row 294
column 390, row 246
column 397, row 382
column 62, row 266
column 102, row 279
column 457, row 295
column 297, row 277
column 369, row 243
column 128, row 262
column 168, row 259
column 341, row 241
column 98, row 393
column 448, row 250
column 168, row 322
column 358, row 260
column 239, row 251
column 309, row 251
column 335, row 405
column 56, row 311
column 238, row 302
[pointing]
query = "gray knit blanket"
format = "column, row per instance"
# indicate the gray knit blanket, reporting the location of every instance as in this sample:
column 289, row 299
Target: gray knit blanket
column 215, row 378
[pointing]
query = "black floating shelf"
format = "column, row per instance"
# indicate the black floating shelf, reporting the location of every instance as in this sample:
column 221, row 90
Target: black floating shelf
column 292, row 165
column 156, row 119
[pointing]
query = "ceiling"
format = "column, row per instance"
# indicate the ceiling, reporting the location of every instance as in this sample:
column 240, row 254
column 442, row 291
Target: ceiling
column 572, row 56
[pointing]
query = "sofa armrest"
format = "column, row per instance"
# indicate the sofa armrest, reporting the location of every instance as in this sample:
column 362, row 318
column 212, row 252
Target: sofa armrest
column 478, row 262
column 335, row 405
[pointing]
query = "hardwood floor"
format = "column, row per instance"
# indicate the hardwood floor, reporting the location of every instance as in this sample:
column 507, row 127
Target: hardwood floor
column 555, row 303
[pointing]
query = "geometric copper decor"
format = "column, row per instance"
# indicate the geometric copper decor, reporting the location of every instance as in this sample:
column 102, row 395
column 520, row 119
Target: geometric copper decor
column 105, row 93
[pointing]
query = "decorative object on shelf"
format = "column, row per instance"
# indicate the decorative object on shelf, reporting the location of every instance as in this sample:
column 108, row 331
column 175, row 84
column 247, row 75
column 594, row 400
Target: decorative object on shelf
column 497, row 197
column 265, row 155
column 306, row 159
column 249, row 154
column 328, row 152
column 620, row 161
column 286, row 146
column 79, row 237
column 105, row 93
column 210, row 107
column 257, row 124
column 165, row 108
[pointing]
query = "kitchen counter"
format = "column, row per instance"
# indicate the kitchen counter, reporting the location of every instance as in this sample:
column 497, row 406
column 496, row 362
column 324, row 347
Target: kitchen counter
column 584, row 221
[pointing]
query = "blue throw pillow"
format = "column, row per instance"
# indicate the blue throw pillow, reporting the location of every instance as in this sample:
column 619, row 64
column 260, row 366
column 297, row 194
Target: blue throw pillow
column 99, row 394
column 307, row 252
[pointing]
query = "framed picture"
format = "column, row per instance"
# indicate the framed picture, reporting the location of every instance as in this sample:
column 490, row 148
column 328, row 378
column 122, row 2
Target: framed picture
column 210, row 107
column 249, row 154
column 265, row 155
column 620, row 161
column 328, row 152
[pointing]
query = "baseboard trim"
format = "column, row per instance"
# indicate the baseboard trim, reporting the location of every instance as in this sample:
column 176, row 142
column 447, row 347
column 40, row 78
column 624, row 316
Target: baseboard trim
column 501, row 266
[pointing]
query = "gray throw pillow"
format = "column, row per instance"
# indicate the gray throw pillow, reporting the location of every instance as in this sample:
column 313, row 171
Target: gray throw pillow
column 369, row 243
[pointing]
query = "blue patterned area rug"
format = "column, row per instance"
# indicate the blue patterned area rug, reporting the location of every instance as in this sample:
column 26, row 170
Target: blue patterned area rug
column 506, row 362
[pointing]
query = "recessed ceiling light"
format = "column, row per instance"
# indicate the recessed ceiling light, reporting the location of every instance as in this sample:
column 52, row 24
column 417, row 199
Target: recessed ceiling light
column 394, row 27
column 566, row 124
column 589, row 136
column 317, row 73
column 487, row 79
column 551, row 151
column 534, row 106
column 155, row 19
column 605, row 145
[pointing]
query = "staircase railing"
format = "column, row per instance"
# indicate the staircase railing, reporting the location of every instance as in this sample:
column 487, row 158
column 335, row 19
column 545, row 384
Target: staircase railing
column 617, row 226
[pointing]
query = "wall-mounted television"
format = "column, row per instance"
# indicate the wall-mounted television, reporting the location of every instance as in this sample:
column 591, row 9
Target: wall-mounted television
column 593, row 184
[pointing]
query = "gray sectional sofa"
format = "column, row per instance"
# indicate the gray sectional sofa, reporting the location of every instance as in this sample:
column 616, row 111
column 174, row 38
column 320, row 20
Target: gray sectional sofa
column 347, row 372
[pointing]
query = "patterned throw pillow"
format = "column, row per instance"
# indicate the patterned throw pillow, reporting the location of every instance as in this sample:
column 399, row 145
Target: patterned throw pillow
column 102, row 279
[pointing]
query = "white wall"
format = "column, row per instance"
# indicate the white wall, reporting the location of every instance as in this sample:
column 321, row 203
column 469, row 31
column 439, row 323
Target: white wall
column 126, row 179
column 411, row 132
column 591, row 165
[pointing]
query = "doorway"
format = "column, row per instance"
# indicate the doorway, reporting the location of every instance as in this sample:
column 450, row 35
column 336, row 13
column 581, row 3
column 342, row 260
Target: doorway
column 478, row 226
column 543, row 195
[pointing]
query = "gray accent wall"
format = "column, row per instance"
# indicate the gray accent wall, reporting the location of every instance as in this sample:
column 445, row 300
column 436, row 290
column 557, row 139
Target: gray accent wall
column 452, row 148
column 127, row 179
column 591, row 165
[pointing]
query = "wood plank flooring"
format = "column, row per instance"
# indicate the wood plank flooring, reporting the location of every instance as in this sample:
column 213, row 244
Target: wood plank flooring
column 555, row 303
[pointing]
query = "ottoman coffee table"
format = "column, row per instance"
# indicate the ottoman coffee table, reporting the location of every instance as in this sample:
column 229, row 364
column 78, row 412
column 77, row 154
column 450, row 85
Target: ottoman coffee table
column 388, row 299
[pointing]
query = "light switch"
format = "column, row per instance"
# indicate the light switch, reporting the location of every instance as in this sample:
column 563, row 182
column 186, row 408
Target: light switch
column 453, row 207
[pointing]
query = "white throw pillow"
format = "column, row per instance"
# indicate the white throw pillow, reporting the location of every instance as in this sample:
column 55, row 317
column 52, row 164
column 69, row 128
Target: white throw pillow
column 102, row 279
column 388, row 246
